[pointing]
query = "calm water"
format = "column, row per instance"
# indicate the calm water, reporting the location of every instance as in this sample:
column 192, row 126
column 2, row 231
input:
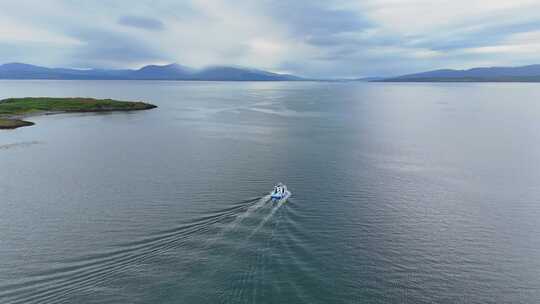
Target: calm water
column 401, row 193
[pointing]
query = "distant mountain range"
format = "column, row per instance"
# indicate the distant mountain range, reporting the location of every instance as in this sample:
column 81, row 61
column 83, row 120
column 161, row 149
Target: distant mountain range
column 529, row 73
column 149, row 72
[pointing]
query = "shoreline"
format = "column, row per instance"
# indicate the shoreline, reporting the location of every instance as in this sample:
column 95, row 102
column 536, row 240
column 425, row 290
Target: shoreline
column 27, row 107
column 8, row 123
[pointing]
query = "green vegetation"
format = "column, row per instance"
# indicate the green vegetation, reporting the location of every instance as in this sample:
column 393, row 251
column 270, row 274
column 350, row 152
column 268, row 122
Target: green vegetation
column 24, row 106
column 12, row 109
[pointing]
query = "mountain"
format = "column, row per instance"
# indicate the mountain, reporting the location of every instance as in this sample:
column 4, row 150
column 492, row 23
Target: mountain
column 529, row 73
column 28, row 71
column 149, row 72
column 239, row 74
column 162, row 72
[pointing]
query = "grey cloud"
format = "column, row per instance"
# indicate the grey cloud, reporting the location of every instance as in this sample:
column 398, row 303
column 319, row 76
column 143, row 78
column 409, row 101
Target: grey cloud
column 38, row 53
column 307, row 18
column 339, row 34
column 485, row 36
column 141, row 22
column 106, row 49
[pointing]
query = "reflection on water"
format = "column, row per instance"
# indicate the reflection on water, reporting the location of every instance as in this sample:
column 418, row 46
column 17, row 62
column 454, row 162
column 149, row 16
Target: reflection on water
column 19, row 145
column 86, row 271
column 420, row 193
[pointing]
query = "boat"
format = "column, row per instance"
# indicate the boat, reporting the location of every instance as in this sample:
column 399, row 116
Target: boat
column 280, row 193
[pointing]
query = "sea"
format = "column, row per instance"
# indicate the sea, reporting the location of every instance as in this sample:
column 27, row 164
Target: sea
column 400, row 193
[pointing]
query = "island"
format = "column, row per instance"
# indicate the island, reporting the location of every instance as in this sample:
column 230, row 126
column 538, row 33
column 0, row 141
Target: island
column 13, row 110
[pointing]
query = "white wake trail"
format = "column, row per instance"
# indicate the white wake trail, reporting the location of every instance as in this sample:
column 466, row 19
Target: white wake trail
column 270, row 215
column 239, row 218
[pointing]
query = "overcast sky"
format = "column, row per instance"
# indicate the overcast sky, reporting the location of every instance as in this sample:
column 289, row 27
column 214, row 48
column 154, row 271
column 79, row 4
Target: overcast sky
column 310, row 38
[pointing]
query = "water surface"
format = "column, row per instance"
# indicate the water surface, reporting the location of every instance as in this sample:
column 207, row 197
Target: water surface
column 401, row 193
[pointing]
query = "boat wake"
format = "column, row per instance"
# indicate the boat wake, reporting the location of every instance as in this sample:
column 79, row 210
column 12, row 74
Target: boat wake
column 84, row 274
column 275, row 208
column 232, row 226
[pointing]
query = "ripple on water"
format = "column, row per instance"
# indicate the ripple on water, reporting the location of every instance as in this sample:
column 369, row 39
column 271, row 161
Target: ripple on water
column 82, row 274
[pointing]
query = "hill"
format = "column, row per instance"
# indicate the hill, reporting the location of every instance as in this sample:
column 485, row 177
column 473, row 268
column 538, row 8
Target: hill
column 149, row 72
column 529, row 73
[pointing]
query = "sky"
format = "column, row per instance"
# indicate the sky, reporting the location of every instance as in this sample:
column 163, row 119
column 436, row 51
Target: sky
column 324, row 39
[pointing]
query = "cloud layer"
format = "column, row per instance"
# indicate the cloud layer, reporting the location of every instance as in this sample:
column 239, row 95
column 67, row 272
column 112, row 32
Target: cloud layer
column 330, row 38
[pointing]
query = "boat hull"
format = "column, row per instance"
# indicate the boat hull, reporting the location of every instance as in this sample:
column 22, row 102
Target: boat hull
column 275, row 197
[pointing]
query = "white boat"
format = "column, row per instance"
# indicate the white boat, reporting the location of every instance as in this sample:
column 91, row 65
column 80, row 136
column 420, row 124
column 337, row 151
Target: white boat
column 280, row 193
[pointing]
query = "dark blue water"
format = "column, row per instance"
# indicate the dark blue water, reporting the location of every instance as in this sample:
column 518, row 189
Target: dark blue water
column 401, row 193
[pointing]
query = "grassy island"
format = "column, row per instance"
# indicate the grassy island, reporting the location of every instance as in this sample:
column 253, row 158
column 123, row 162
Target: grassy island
column 12, row 110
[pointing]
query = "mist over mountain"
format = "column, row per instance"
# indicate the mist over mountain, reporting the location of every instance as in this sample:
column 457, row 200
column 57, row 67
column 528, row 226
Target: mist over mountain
column 529, row 73
column 149, row 72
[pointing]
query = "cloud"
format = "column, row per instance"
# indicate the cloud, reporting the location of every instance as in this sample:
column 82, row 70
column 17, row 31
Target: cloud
column 334, row 38
column 141, row 22
column 311, row 18
column 112, row 49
